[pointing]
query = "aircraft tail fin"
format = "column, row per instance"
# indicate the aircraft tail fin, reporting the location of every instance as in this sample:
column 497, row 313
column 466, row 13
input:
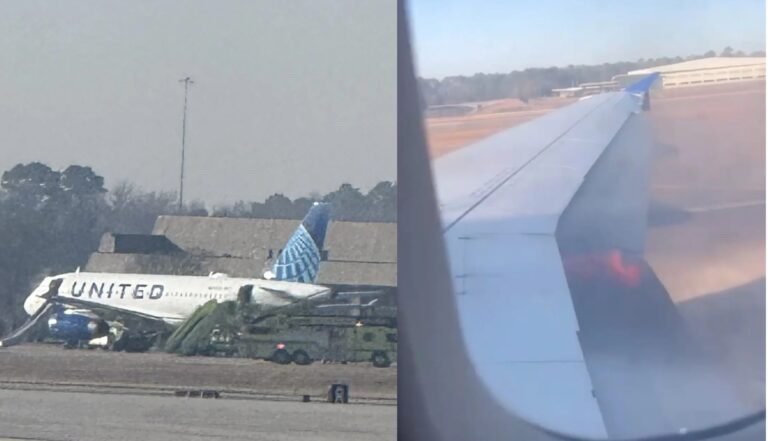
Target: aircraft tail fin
column 300, row 259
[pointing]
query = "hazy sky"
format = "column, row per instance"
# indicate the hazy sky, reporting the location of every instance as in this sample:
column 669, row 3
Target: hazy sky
column 290, row 97
column 462, row 37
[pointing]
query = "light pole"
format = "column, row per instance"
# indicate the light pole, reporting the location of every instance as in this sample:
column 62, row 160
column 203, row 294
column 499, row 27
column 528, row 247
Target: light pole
column 187, row 81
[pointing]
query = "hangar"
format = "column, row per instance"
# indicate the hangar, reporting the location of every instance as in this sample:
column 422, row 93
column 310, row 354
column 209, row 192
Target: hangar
column 585, row 89
column 356, row 255
column 713, row 70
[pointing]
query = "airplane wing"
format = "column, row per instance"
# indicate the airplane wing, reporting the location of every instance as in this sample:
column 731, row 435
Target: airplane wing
column 500, row 203
column 489, row 242
column 111, row 313
column 128, row 318
column 530, row 217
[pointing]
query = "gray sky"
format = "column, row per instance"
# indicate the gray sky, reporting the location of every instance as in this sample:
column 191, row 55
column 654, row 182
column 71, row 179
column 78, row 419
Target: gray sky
column 290, row 97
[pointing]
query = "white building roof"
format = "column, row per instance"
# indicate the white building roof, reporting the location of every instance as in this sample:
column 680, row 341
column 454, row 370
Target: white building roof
column 702, row 63
column 568, row 89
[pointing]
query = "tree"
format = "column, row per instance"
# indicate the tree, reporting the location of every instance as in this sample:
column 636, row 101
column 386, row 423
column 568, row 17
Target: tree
column 347, row 203
column 727, row 52
column 81, row 180
column 193, row 208
column 382, row 202
column 30, row 182
column 135, row 211
column 302, row 205
column 51, row 221
column 279, row 207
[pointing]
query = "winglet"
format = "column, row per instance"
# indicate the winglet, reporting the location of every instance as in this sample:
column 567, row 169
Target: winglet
column 642, row 85
column 640, row 89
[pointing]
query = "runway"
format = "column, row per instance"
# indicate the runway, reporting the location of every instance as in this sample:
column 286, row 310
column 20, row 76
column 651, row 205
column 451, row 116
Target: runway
column 45, row 364
column 60, row 416
column 50, row 393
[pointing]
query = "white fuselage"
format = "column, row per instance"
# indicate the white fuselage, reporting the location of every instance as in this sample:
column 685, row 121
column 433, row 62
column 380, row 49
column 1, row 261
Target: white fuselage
column 169, row 298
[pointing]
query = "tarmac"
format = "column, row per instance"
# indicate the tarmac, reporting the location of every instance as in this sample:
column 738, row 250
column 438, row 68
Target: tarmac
column 706, row 237
column 46, row 364
column 51, row 393
column 58, row 416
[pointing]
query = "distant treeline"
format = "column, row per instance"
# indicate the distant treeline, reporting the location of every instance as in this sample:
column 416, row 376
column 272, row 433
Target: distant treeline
column 539, row 82
column 50, row 221
column 347, row 204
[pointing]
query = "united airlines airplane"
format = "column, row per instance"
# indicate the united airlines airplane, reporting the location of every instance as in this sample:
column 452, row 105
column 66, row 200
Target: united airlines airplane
column 83, row 306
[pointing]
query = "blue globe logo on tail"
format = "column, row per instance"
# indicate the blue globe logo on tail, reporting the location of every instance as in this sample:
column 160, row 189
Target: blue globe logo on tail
column 300, row 259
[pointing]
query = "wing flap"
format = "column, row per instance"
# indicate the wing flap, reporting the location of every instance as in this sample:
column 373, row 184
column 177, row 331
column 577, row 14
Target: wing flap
column 519, row 326
column 502, row 301
column 535, row 382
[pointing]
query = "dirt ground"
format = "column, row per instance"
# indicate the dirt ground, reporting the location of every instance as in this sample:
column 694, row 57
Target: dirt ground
column 42, row 365
column 450, row 133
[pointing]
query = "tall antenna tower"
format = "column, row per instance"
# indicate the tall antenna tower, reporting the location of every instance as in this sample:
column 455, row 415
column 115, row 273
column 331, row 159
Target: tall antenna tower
column 187, row 82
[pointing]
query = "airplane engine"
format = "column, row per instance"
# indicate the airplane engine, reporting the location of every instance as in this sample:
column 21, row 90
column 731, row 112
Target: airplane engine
column 73, row 327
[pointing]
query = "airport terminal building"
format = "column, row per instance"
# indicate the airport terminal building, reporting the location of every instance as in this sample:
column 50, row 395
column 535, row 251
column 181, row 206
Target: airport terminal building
column 713, row 70
column 356, row 255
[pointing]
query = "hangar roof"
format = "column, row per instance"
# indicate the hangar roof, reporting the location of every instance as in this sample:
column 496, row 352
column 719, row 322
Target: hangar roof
column 358, row 253
column 254, row 238
column 701, row 64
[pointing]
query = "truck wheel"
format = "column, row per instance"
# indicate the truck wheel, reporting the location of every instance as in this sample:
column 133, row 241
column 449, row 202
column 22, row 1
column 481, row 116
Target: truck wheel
column 301, row 358
column 380, row 360
column 281, row 356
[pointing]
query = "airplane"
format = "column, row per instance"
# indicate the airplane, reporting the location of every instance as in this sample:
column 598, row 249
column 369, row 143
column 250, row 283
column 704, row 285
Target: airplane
column 525, row 309
column 85, row 306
